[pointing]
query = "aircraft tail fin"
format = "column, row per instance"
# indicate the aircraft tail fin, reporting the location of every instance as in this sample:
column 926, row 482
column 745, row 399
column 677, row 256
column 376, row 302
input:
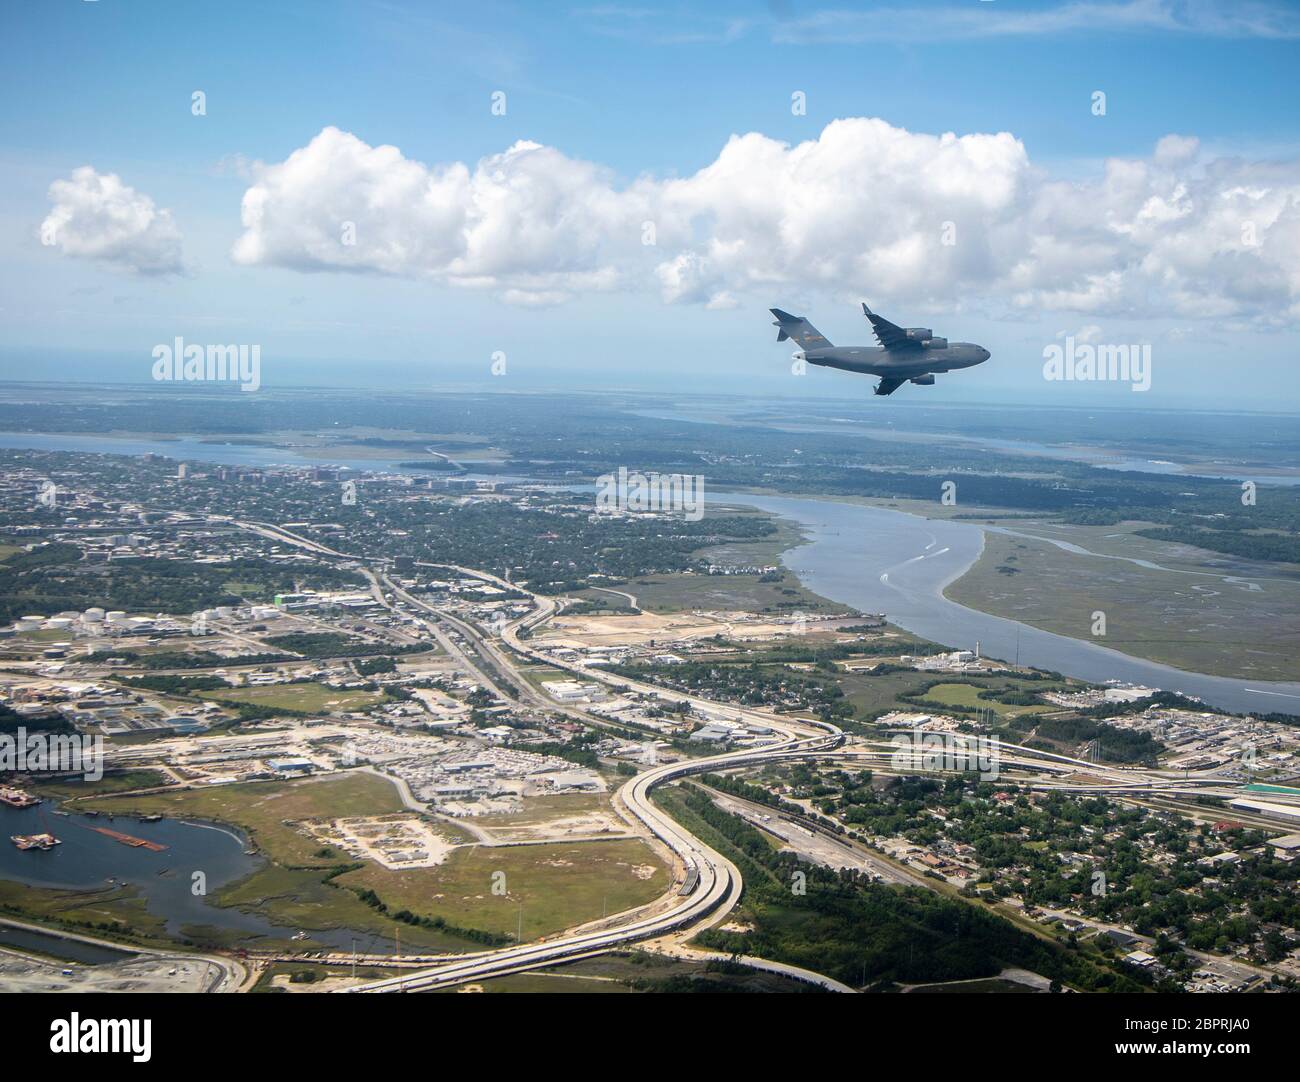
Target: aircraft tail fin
column 798, row 328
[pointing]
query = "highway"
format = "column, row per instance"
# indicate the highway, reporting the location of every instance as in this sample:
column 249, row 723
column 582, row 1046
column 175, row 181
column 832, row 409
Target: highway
column 815, row 844
column 1045, row 771
column 709, row 884
column 716, row 882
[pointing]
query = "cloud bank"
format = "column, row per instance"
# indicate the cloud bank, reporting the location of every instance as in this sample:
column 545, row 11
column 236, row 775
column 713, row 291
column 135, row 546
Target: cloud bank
column 865, row 209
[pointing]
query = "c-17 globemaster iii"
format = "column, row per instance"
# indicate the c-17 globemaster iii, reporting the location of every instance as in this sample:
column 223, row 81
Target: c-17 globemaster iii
column 904, row 353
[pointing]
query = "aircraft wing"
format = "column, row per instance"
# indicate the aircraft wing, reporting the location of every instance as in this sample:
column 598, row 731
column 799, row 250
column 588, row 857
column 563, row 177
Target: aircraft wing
column 889, row 335
column 888, row 384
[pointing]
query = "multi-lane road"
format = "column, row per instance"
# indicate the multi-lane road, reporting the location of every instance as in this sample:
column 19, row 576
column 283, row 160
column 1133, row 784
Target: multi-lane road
column 708, row 884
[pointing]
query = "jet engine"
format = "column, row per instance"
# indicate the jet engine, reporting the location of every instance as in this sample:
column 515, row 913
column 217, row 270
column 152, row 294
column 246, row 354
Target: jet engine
column 919, row 334
column 924, row 381
column 935, row 343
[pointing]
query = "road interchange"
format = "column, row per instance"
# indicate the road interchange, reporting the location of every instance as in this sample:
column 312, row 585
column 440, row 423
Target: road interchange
column 709, row 885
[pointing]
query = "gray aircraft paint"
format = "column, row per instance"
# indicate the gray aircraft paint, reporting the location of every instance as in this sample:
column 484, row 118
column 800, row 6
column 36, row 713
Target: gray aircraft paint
column 905, row 354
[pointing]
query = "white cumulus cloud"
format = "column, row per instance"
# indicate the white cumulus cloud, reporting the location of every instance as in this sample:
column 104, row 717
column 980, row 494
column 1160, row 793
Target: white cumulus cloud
column 865, row 209
column 96, row 216
column 530, row 220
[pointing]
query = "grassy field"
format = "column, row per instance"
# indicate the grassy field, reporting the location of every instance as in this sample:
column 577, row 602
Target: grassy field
column 292, row 889
column 260, row 809
column 603, row 599
column 537, row 674
column 967, row 696
column 112, row 782
column 309, row 698
column 727, row 593
column 734, row 593
column 315, row 972
column 543, row 809
column 869, row 693
column 1186, row 615
column 302, row 898
column 116, row 912
column 555, row 817
column 559, row 885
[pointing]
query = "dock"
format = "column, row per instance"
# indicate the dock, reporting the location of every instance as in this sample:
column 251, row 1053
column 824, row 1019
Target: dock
column 129, row 839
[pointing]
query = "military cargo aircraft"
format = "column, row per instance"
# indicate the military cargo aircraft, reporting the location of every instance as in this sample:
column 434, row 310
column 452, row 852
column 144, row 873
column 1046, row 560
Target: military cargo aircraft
column 905, row 354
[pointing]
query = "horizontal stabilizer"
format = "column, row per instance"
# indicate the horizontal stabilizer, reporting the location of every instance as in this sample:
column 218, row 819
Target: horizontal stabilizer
column 798, row 328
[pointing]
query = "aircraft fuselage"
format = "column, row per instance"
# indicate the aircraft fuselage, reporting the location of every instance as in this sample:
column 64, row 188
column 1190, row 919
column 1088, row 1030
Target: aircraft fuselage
column 900, row 364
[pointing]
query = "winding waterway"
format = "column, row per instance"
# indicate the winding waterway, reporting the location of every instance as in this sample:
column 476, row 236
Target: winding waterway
column 874, row 559
column 879, row 560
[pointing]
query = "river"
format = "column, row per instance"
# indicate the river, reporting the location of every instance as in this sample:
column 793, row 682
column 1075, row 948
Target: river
column 880, row 560
column 874, row 559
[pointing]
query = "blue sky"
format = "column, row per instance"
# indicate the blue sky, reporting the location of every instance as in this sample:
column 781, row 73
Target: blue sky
column 651, row 94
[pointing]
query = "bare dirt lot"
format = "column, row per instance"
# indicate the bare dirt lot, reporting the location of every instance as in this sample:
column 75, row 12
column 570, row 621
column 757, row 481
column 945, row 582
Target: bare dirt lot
column 395, row 841
column 663, row 630
column 558, row 818
column 19, row 973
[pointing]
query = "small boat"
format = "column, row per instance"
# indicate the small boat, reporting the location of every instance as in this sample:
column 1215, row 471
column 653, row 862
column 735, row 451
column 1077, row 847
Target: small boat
column 150, row 818
column 34, row 841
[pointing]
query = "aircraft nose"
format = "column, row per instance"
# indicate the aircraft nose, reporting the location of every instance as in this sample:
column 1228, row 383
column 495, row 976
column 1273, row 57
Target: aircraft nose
column 984, row 354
